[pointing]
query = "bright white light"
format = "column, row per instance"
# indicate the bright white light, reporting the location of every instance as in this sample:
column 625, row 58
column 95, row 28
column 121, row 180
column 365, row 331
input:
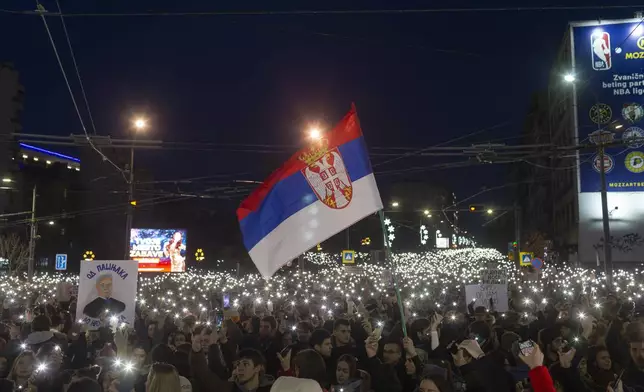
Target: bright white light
column 582, row 315
column 41, row 367
column 395, row 204
column 6, row 180
column 426, row 212
column 490, row 211
column 569, row 78
column 51, row 223
column 48, row 162
column 36, row 159
column 638, row 30
column 140, row 123
column 315, row 133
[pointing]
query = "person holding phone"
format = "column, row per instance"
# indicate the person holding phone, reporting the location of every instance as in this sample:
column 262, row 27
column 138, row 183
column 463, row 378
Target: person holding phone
column 540, row 378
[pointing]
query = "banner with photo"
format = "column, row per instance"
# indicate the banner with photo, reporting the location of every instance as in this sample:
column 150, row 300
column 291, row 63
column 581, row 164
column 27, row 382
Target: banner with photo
column 107, row 292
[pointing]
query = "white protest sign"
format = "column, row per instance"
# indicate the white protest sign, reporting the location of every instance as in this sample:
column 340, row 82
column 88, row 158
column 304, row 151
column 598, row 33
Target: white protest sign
column 494, row 274
column 482, row 293
column 64, row 291
column 107, row 290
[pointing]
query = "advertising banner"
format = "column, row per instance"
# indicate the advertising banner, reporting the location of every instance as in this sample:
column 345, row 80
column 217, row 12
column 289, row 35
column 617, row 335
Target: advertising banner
column 159, row 250
column 609, row 71
column 107, row 292
column 608, row 64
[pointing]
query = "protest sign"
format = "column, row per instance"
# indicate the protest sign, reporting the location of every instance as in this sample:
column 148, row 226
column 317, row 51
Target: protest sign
column 107, row 291
column 494, row 274
column 64, row 291
column 482, row 293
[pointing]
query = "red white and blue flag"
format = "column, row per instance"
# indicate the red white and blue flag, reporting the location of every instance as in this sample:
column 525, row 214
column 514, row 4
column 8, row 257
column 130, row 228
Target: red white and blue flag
column 321, row 190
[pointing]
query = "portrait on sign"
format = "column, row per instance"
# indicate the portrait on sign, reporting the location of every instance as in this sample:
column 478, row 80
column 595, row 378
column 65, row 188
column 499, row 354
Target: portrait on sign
column 106, row 292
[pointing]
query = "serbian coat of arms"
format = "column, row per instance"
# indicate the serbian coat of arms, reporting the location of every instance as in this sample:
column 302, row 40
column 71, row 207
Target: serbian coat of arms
column 327, row 175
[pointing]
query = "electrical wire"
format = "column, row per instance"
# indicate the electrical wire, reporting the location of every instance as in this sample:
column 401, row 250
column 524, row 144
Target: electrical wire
column 334, row 12
column 41, row 10
column 80, row 80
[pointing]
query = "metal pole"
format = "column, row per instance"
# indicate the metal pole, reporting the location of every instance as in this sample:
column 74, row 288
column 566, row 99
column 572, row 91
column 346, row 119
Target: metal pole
column 608, row 257
column 517, row 233
column 348, row 230
column 32, row 237
column 130, row 209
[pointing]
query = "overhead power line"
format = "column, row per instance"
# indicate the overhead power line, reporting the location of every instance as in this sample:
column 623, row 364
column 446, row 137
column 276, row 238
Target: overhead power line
column 400, row 11
column 41, row 11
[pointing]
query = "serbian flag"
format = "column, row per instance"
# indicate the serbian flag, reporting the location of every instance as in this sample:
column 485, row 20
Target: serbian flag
column 321, row 190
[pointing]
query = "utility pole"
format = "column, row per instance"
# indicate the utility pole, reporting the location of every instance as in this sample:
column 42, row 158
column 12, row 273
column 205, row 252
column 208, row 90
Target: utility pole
column 32, row 238
column 608, row 257
column 130, row 207
column 517, row 232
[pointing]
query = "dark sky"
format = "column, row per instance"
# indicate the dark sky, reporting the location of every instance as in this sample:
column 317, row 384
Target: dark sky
column 417, row 79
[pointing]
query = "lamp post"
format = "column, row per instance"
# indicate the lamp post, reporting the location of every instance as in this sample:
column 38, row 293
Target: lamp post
column 601, row 138
column 139, row 124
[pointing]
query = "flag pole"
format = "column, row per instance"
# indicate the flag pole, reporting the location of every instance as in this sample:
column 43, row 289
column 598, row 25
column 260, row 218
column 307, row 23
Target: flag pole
column 381, row 214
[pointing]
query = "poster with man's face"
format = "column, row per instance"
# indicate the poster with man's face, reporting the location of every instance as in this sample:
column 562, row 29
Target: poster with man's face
column 106, row 292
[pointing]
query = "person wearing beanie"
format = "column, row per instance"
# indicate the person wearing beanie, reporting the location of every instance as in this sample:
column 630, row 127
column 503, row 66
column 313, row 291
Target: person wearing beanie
column 294, row 384
column 41, row 333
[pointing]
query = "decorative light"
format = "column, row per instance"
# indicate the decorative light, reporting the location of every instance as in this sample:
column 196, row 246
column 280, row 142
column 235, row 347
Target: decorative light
column 89, row 255
column 199, row 255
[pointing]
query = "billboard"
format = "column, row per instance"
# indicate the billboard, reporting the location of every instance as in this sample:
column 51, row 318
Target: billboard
column 609, row 67
column 159, row 250
column 608, row 63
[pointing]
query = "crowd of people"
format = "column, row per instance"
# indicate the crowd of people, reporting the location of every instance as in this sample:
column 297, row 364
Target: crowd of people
column 335, row 329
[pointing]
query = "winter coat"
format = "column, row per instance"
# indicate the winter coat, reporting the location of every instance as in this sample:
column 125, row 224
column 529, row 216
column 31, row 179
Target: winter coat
column 208, row 381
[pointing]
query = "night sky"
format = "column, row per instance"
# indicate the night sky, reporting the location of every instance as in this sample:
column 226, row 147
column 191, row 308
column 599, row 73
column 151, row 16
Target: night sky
column 417, row 79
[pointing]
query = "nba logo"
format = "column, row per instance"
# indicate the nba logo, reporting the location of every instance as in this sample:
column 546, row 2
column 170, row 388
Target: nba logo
column 600, row 48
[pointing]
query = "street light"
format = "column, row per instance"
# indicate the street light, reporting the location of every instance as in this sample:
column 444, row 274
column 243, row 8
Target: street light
column 569, row 78
column 51, row 223
column 395, row 204
column 6, row 180
column 490, row 211
column 140, row 123
column 426, row 212
column 315, row 133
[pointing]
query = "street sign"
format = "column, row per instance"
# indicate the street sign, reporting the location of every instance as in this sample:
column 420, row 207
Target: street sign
column 537, row 263
column 61, row 262
column 348, row 257
column 525, row 258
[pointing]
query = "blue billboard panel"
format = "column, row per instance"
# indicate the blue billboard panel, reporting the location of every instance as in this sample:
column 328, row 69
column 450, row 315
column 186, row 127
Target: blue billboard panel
column 609, row 68
column 159, row 250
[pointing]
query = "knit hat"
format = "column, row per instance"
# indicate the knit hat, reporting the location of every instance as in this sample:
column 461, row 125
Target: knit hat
column 508, row 339
column 292, row 384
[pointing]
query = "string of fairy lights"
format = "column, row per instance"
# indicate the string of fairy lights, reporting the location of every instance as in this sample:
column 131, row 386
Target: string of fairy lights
column 427, row 280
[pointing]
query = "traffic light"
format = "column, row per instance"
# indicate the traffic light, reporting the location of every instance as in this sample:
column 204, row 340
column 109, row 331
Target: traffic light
column 476, row 208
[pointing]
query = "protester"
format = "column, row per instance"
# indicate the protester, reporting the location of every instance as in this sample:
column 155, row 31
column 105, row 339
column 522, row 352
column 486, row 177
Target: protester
column 348, row 332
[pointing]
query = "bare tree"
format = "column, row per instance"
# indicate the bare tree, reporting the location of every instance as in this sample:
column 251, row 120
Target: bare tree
column 15, row 252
